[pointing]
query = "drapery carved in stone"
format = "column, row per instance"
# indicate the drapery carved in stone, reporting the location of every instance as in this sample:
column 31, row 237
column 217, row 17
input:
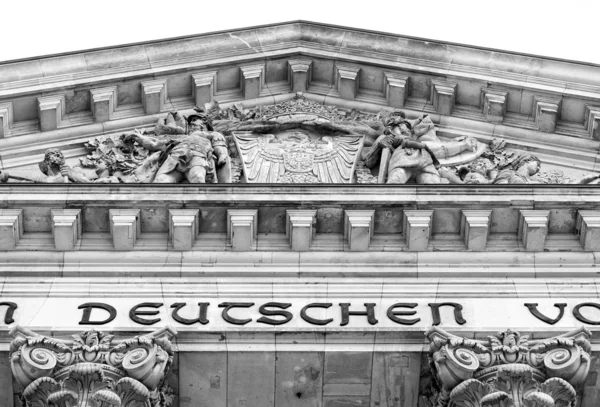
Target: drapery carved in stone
column 91, row 369
column 509, row 369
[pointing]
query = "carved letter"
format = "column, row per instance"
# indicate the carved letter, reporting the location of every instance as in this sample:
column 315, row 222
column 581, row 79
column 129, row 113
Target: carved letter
column 391, row 313
column 8, row 317
column 134, row 313
column 87, row 311
column 435, row 312
column 577, row 312
column 315, row 321
column 185, row 321
column 270, row 321
column 229, row 318
column 370, row 313
column 533, row 309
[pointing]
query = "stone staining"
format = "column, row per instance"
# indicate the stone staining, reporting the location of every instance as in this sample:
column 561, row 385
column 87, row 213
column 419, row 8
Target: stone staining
column 91, row 369
column 509, row 368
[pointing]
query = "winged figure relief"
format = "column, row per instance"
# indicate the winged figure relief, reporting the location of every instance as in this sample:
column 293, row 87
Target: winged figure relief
column 296, row 157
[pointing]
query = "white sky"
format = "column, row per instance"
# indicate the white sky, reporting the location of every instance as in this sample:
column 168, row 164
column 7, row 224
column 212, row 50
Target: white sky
column 561, row 29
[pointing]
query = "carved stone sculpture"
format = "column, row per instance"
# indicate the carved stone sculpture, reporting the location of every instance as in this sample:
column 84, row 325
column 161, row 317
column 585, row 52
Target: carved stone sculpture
column 91, row 369
column 509, row 369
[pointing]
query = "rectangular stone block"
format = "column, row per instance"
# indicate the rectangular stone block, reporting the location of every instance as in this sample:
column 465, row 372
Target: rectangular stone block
column 546, row 110
column 11, row 228
column 251, row 379
column 346, row 80
column 300, row 73
column 66, row 228
column 51, row 111
column 6, row 118
column 494, row 104
column 7, row 392
column 202, row 379
column 475, row 228
column 443, row 96
column 417, row 229
column 125, row 227
column 184, row 227
column 588, row 228
column 395, row 379
column 300, row 228
column 203, row 87
column 533, row 228
column 104, row 103
column 253, row 79
column 242, row 228
column 298, row 379
column 358, row 229
column 154, row 95
column 396, row 88
column 592, row 121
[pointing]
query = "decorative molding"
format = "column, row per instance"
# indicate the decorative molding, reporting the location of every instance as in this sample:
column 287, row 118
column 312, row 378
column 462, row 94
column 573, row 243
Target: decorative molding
column 417, row 228
column 11, row 228
column 154, row 95
column 588, row 228
column 6, row 118
column 51, row 111
column 90, row 369
column 104, row 103
column 396, row 88
column 509, row 368
column 533, row 228
column 475, row 228
column 300, row 228
column 184, row 227
column 443, row 96
column 252, row 80
column 346, row 80
column 66, row 228
column 494, row 102
column 546, row 110
column 242, row 229
column 592, row 121
column 203, row 87
column 300, row 74
column 125, row 227
column 358, row 229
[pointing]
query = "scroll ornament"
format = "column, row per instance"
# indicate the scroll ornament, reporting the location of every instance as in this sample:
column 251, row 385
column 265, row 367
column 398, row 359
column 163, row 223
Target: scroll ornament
column 93, row 369
column 509, row 369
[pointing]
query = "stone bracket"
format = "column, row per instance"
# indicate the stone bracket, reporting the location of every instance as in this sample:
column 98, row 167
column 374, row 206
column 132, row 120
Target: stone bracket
column 547, row 112
column 154, row 95
column 300, row 228
column 300, row 74
column 125, row 227
column 588, row 228
column 346, row 80
column 6, row 118
column 396, row 88
column 443, row 96
column 242, row 229
column 417, row 228
column 533, row 229
column 494, row 104
column 253, row 80
column 104, row 103
column 51, row 111
column 66, row 228
column 475, row 228
column 358, row 229
column 203, row 87
column 592, row 121
column 184, row 226
column 11, row 228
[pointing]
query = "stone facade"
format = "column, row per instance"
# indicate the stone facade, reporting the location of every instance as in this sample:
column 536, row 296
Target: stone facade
column 167, row 240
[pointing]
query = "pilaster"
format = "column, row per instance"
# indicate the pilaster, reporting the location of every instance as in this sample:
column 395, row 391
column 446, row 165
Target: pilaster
column 51, row 111
column 104, row 103
column 242, row 229
column 417, row 229
column 494, row 104
column 300, row 228
column 6, row 118
column 11, row 228
column 395, row 88
column 588, row 228
column 203, row 87
column 184, row 227
column 253, row 79
column 66, row 228
column 125, row 227
column 358, row 229
column 533, row 228
column 154, row 95
column 592, row 121
column 300, row 73
column 546, row 110
column 474, row 229
column 443, row 96
column 346, row 80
